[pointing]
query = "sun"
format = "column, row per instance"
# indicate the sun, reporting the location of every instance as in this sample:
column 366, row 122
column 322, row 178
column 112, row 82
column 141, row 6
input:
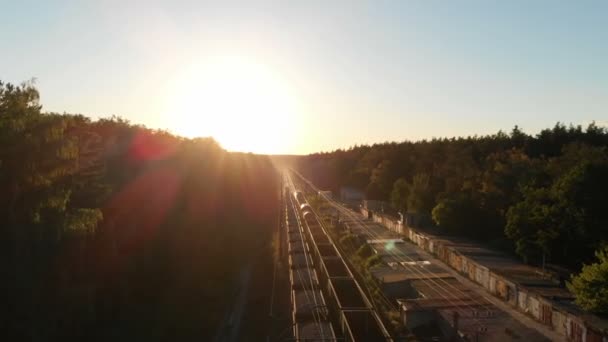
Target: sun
column 245, row 105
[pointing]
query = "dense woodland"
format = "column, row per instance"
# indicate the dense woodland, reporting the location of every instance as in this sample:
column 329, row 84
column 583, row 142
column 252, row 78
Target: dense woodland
column 541, row 197
column 111, row 231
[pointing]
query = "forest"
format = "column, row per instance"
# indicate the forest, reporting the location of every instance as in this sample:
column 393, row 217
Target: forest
column 112, row 231
column 542, row 198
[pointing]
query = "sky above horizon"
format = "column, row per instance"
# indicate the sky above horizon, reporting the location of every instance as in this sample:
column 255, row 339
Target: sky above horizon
column 292, row 77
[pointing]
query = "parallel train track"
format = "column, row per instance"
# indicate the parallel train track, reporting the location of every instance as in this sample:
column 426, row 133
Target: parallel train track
column 348, row 307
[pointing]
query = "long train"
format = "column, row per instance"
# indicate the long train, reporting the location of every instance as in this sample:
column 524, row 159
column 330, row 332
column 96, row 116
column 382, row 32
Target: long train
column 347, row 305
column 309, row 309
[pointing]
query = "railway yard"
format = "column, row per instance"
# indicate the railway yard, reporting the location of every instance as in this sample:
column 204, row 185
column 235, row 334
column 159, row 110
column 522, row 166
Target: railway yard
column 332, row 301
column 328, row 303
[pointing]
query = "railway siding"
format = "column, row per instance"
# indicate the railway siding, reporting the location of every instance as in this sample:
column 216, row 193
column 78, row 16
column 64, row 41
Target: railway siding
column 348, row 306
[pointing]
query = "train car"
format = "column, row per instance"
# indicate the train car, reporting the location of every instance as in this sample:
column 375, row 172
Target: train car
column 303, row 278
column 343, row 301
column 306, row 304
column 310, row 316
column 304, row 207
column 299, row 197
column 295, row 247
column 332, row 267
column 294, row 236
column 363, row 325
column 314, row 331
column 298, row 260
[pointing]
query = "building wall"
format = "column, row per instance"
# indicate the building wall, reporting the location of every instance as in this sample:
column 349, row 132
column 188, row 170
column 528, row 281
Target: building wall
column 349, row 194
column 534, row 307
column 576, row 331
column 542, row 310
column 455, row 262
column 522, row 301
column 558, row 322
column 465, row 266
column 546, row 313
column 415, row 318
column 594, row 336
column 512, row 294
column 493, row 287
column 366, row 212
column 505, row 289
column 482, row 276
column 472, row 271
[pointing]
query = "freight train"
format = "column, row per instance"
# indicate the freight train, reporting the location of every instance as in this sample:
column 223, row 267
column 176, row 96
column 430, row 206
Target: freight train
column 309, row 308
column 347, row 305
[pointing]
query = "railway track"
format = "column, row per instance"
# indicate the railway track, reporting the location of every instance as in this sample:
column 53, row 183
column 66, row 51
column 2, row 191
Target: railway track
column 310, row 321
column 343, row 301
column 455, row 298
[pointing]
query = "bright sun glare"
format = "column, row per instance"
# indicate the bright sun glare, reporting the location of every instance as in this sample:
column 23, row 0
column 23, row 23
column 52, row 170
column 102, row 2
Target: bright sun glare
column 243, row 104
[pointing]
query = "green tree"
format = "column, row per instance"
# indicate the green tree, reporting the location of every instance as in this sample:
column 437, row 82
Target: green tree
column 581, row 194
column 421, row 198
column 532, row 223
column 400, row 194
column 590, row 286
column 541, row 195
column 457, row 213
column 350, row 242
column 109, row 224
column 382, row 178
column 563, row 220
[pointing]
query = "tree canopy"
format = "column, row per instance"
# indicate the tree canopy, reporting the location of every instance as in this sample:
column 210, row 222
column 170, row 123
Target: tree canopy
column 112, row 231
column 591, row 285
column 540, row 196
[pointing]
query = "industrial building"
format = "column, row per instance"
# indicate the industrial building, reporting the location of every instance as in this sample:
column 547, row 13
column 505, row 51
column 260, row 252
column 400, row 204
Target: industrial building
column 530, row 290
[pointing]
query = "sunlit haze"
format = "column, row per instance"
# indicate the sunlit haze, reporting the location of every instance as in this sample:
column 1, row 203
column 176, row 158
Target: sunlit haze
column 342, row 170
column 252, row 106
column 294, row 78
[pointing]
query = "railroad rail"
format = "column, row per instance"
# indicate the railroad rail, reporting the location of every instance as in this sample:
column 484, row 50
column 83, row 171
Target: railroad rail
column 348, row 307
column 310, row 321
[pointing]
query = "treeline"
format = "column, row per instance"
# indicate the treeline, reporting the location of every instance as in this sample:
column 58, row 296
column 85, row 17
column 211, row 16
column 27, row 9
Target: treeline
column 543, row 197
column 111, row 231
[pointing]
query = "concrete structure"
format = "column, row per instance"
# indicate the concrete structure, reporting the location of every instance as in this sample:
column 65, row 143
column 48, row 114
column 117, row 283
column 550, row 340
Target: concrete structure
column 528, row 289
column 430, row 298
column 393, row 283
column 374, row 205
column 350, row 194
column 475, row 323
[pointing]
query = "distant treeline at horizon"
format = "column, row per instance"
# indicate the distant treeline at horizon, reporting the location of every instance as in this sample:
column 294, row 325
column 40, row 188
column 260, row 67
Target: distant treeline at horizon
column 541, row 196
column 593, row 125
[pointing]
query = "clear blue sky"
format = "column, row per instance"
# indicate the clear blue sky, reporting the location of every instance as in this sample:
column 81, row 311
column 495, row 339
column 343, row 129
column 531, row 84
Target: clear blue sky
column 361, row 72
